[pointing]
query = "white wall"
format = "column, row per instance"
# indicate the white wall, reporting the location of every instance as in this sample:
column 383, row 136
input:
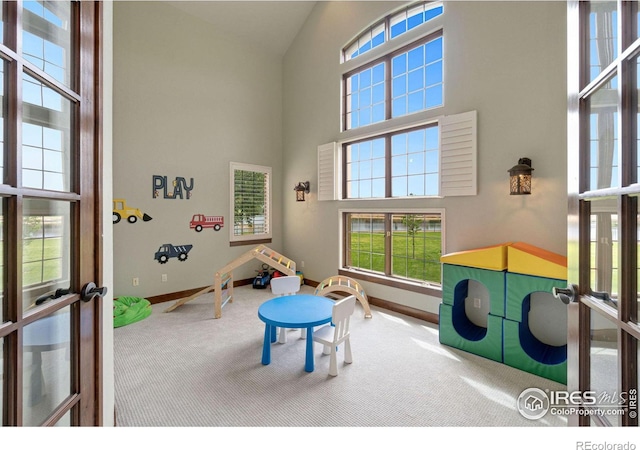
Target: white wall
column 507, row 60
column 108, row 389
column 187, row 101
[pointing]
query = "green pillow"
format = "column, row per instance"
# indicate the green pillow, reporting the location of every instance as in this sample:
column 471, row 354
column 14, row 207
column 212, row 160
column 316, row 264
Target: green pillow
column 128, row 310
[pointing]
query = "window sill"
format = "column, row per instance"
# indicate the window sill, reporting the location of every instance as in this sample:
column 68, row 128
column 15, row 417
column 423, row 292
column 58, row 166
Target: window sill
column 249, row 242
column 422, row 288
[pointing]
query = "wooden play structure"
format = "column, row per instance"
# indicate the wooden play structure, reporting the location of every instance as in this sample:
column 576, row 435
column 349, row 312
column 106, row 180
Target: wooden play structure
column 223, row 279
column 340, row 283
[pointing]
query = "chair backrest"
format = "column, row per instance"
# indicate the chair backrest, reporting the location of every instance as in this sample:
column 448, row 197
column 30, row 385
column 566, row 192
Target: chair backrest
column 289, row 284
column 341, row 315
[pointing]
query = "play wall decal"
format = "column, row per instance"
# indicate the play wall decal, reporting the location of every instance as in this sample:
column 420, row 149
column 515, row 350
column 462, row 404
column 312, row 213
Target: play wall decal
column 176, row 189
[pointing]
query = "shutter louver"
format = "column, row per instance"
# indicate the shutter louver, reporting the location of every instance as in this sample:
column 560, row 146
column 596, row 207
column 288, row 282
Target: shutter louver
column 458, row 154
column 327, row 167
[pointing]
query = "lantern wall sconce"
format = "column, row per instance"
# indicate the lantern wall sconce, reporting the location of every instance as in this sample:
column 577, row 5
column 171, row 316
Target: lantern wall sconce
column 301, row 188
column 520, row 177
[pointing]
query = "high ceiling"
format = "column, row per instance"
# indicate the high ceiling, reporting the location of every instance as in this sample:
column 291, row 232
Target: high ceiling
column 270, row 25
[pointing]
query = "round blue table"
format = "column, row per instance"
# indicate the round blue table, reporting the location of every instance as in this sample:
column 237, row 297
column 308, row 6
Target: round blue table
column 294, row 311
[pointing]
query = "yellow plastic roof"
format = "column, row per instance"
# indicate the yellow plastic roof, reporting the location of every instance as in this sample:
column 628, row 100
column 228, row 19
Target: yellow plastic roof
column 518, row 257
column 492, row 258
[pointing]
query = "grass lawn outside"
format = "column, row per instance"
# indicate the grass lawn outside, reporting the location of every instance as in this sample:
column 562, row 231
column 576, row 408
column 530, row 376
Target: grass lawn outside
column 413, row 257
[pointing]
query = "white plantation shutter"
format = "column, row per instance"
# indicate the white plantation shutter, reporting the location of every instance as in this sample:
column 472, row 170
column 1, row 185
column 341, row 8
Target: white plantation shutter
column 327, row 171
column 458, row 154
column 250, row 202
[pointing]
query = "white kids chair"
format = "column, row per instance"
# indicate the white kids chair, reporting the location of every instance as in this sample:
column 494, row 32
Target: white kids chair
column 285, row 285
column 336, row 333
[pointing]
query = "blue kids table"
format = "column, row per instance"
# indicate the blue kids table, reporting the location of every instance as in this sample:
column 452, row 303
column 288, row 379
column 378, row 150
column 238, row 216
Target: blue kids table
column 294, row 311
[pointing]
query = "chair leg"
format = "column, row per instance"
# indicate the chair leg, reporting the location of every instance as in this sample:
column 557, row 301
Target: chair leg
column 326, row 349
column 347, row 352
column 283, row 336
column 333, row 363
column 303, row 333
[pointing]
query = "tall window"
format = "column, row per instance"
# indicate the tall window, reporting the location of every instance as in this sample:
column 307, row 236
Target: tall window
column 397, row 245
column 250, row 202
column 402, row 75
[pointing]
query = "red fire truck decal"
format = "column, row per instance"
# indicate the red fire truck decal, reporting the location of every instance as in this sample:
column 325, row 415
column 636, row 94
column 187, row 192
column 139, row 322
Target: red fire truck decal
column 200, row 221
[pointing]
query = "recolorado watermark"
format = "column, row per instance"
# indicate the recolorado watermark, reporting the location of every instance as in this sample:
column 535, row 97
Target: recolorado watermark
column 535, row 403
column 589, row 445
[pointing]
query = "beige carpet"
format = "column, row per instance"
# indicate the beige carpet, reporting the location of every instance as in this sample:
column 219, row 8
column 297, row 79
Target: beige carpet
column 187, row 369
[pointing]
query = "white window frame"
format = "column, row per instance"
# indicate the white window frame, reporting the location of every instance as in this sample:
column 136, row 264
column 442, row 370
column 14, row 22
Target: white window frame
column 250, row 238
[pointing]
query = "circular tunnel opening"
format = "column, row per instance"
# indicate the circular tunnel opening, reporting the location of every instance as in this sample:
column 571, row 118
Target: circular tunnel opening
column 542, row 329
column 470, row 309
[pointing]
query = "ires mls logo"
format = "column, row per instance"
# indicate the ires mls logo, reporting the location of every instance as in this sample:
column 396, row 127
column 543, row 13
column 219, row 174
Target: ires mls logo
column 534, row 403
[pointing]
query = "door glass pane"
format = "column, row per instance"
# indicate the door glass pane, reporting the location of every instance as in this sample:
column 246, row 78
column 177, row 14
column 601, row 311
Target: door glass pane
column 47, row 365
column 603, row 136
column 604, row 365
column 604, row 249
column 46, row 138
column 4, row 97
column 637, row 113
column 1, row 379
column 46, row 37
column 1, row 36
column 2, row 272
column 603, row 35
column 45, row 248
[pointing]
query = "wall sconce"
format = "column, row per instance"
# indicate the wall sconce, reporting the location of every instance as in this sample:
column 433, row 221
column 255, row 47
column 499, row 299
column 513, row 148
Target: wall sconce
column 520, row 177
column 301, row 188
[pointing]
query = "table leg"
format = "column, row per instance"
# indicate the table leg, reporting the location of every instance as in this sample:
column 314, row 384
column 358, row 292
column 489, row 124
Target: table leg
column 308, row 365
column 266, row 346
column 273, row 334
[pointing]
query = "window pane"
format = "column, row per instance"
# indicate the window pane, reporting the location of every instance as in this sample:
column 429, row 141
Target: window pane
column 399, row 23
column 414, row 163
column 46, row 140
column 2, row 108
column 46, row 37
column 603, row 39
column 2, row 271
column 637, row 64
column 604, row 362
column 417, row 247
column 365, row 97
column 365, row 242
column 638, row 270
column 1, row 41
column 1, row 376
column 45, row 246
column 47, row 364
column 417, row 79
column 603, row 136
column 604, row 248
column 365, row 169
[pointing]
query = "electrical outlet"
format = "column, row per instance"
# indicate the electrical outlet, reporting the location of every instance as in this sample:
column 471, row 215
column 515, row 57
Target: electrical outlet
column 301, row 263
column 164, row 277
column 477, row 303
column 136, row 281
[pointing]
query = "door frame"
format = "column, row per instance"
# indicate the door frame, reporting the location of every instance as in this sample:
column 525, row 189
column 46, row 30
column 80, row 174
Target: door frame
column 581, row 197
column 85, row 404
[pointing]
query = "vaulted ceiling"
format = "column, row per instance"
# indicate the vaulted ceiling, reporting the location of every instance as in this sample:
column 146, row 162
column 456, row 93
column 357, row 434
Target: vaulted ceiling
column 266, row 24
